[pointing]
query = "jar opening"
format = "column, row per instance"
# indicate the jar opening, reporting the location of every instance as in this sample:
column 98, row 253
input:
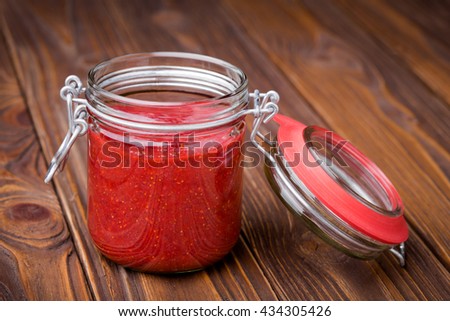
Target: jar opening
column 167, row 89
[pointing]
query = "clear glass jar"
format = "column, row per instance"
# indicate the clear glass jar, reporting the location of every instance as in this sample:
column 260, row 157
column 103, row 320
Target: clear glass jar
column 165, row 132
column 164, row 174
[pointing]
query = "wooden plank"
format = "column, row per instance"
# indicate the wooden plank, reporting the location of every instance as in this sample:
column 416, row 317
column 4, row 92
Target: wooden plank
column 433, row 16
column 421, row 183
column 363, row 94
column 179, row 26
column 34, row 238
column 50, row 44
column 39, row 85
column 298, row 266
column 426, row 55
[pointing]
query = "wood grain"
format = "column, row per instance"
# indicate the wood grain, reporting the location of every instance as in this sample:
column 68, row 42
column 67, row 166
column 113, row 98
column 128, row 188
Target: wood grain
column 364, row 95
column 34, row 238
column 399, row 92
column 107, row 280
column 432, row 16
column 334, row 64
column 425, row 55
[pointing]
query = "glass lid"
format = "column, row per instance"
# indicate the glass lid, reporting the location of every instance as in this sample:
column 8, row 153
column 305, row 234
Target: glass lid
column 346, row 184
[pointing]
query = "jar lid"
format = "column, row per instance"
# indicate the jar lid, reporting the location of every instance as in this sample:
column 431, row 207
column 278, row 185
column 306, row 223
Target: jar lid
column 344, row 181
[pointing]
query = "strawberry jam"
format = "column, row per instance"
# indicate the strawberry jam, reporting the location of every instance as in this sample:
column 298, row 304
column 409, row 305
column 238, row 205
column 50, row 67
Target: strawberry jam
column 165, row 206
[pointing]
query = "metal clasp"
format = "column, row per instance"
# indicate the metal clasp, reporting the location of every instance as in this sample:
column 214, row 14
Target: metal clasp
column 400, row 254
column 263, row 112
column 77, row 115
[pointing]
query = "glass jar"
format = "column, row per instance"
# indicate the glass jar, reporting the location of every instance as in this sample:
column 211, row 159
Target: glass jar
column 165, row 132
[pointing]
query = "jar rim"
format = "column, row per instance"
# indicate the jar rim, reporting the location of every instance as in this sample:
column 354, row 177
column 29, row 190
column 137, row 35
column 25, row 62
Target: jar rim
column 165, row 75
column 381, row 197
column 93, row 81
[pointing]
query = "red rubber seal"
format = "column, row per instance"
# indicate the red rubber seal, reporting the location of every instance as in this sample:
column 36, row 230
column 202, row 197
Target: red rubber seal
column 383, row 228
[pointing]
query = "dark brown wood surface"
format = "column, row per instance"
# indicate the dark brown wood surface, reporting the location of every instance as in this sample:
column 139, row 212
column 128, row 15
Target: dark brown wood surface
column 376, row 72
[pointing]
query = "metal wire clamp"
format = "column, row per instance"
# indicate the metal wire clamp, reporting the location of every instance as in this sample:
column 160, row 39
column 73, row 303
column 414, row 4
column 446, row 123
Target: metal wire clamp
column 77, row 115
column 263, row 112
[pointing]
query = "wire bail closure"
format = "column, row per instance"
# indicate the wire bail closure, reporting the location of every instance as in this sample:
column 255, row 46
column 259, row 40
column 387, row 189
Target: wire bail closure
column 77, row 115
column 263, row 112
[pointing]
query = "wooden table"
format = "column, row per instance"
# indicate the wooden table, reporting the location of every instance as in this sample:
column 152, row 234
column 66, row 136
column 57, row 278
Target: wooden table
column 376, row 72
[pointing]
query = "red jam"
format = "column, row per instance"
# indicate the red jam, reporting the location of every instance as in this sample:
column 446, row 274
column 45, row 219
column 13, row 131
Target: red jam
column 160, row 207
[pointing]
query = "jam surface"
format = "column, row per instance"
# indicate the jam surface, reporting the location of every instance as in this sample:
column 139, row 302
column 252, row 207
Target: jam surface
column 161, row 207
